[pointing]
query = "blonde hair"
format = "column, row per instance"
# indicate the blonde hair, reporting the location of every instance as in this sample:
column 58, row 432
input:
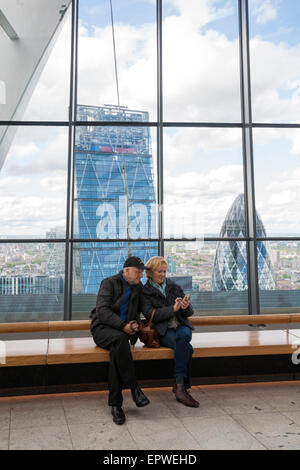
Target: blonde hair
column 154, row 263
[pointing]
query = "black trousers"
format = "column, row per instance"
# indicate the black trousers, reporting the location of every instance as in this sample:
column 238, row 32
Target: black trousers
column 121, row 366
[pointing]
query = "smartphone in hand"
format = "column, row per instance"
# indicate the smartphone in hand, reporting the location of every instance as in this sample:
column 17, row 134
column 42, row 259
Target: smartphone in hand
column 187, row 297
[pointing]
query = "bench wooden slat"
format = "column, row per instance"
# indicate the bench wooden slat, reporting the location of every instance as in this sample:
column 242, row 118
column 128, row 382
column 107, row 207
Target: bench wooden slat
column 237, row 343
column 206, row 344
column 24, row 327
column 243, row 343
column 214, row 320
column 70, row 325
column 25, row 352
column 73, row 350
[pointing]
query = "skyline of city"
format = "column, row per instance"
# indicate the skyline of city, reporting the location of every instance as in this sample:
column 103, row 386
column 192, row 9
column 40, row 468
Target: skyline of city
column 196, row 262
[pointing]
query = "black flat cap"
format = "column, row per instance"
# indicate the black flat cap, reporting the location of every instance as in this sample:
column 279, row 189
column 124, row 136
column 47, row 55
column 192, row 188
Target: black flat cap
column 134, row 262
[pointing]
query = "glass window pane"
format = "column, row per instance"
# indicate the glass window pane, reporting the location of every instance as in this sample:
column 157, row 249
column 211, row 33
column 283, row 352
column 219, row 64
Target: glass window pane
column 35, row 45
column 281, row 261
column 277, row 181
column 203, row 183
column 32, row 281
column 214, row 273
column 274, row 57
column 93, row 262
column 115, row 189
column 133, row 84
column 201, row 61
column 33, row 181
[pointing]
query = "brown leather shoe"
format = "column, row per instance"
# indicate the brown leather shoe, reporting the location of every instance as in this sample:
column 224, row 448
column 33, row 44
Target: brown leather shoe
column 184, row 397
column 196, row 402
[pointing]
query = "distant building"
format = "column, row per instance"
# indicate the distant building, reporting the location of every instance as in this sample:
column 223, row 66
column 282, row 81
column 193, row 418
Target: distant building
column 115, row 194
column 55, row 253
column 230, row 263
column 171, row 265
column 185, row 282
column 17, row 285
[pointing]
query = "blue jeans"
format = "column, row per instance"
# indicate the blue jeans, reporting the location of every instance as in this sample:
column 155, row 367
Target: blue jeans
column 179, row 340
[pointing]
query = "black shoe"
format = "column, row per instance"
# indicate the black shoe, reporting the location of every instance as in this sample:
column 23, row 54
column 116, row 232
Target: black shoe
column 118, row 415
column 139, row 397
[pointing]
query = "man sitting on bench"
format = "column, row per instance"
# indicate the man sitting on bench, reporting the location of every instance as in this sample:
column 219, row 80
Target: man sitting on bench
column 114, row 326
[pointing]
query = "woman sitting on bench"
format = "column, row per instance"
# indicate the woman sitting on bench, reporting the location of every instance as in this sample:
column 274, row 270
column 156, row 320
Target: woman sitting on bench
column 171, row 323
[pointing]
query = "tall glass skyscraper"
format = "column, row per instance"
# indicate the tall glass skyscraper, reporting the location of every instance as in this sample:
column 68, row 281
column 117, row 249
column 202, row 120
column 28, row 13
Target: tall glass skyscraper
column 114, row 192
column 230, row 263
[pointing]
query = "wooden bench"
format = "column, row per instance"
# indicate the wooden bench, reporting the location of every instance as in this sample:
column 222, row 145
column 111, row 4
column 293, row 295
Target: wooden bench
column 51, row 351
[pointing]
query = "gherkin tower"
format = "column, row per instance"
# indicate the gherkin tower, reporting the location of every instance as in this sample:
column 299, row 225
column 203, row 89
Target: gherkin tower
column 230, row 263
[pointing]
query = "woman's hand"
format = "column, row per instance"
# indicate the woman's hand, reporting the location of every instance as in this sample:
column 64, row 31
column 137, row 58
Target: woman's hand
column 185, row 303
column 177, row 304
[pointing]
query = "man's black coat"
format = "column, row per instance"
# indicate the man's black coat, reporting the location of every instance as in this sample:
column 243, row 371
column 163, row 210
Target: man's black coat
column 109, row 299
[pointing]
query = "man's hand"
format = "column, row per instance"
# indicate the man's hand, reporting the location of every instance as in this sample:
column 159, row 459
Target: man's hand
column 134, row 326
column 131, row 328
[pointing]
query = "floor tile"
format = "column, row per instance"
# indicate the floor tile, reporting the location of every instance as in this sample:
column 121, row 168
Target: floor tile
column 157, row 408
column 39, row 412
column 4, row 438
column 293, row 415
column 220, row 433
column 40, row 438
column 162, row 434
column 285, row 397
column 273, row 430
column 101, row 436
column 4, row 414
column 237, row 416
column 81, row 409
column 239, row 401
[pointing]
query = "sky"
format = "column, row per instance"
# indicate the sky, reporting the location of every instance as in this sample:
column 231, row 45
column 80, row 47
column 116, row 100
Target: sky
column 203, row 168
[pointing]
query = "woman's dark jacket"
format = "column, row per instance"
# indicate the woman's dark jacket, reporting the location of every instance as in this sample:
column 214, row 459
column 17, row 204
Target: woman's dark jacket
column 153, row 298
column 107, row 311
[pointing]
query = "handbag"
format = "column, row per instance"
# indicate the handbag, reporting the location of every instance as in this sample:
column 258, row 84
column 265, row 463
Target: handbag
column 148, row 335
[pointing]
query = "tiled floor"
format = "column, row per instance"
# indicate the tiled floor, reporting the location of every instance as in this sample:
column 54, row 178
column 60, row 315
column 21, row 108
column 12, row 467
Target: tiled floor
column 244, row 416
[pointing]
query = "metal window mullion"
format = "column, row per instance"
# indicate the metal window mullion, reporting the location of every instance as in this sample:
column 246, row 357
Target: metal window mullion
column 75, row 79
column 245, row 84
column 160, row 176
column 70, row 182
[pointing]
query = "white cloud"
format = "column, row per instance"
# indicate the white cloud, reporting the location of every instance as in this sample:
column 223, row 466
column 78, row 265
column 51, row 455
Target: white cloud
column 198, row 14
column 197, row 202
column 278, row 203
column 37, row 214
column 264, row 11
column 267, row 82
column 281, row 198
column 37, row 152
column 23, row 150
column 201, row 82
